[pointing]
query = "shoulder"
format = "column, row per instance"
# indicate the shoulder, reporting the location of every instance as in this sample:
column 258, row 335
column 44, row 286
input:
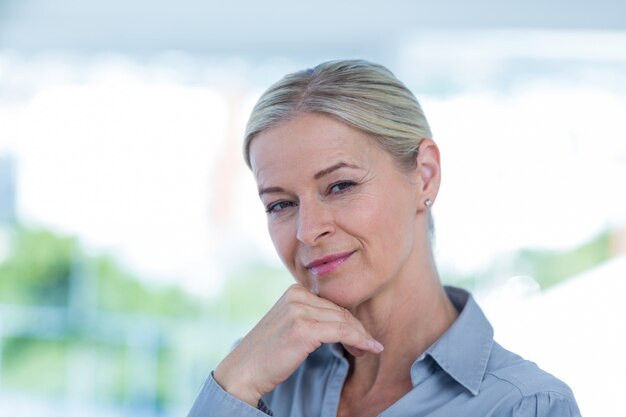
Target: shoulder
column 522, row 375
column 526, row 389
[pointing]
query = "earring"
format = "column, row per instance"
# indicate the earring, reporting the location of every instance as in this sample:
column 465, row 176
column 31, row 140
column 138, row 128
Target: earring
column 428, row 203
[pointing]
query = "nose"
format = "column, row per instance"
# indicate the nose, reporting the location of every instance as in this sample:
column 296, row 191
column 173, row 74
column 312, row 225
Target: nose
column 314, row 222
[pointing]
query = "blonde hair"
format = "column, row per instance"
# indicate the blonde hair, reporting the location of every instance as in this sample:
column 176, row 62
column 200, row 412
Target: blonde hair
column 362, row 94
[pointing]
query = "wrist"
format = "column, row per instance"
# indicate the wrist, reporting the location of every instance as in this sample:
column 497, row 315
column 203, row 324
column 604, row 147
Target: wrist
column 237, row 385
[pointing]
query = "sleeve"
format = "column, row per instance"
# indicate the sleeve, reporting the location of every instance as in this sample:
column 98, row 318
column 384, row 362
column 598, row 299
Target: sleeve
column 547, row 404
column 213, row 401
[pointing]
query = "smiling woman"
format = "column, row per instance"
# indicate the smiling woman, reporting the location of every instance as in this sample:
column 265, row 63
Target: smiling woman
column 348, row 173
column 330, row 217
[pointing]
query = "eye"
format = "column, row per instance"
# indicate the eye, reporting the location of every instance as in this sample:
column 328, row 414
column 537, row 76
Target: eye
column 341, row 187
column 278, row 206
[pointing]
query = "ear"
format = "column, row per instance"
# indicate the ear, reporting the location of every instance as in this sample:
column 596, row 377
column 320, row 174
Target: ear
column 428, row 171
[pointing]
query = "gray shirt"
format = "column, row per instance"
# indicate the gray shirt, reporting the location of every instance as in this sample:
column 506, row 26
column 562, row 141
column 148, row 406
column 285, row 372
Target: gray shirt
column 464, row 373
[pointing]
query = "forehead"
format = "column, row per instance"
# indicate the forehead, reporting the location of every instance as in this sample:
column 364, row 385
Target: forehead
column 306, row 144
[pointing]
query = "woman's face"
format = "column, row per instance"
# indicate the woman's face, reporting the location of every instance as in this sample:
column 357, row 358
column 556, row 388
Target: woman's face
column 340, row 213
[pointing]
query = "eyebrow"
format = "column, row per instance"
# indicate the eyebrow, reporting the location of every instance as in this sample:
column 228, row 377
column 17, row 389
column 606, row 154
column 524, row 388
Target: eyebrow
column 317, row 176
column 333, row 168
column 270, row 190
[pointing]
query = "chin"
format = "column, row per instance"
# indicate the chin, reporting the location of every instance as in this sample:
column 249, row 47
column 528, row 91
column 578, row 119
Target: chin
column 334, row 288
column 340, row 295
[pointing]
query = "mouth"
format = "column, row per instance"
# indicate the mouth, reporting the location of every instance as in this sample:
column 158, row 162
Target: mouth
column 328, row 264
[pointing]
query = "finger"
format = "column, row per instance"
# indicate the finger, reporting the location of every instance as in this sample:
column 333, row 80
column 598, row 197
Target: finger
column 354, row 351
column 304, row 296
column 320, row 309
column 337, row 314
column 300, row 294
column 341, row 332
column 301, row 298
column 314, row 314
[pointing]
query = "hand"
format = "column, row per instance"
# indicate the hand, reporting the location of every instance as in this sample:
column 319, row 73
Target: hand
column 299, row 323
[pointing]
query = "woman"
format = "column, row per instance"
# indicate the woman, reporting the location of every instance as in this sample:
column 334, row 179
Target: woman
column 348, row 174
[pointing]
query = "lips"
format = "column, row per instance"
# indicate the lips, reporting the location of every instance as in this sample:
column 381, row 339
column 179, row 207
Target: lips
column 328, row 264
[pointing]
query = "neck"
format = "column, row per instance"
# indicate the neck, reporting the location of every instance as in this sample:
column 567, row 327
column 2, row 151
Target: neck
column 406, row 318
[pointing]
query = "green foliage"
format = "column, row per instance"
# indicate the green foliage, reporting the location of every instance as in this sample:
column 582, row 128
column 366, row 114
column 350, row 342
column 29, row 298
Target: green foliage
column 251, row 292
column 109, row 370
column 35, row 365
column 38, row 268
column 120, row 291
column 47, row 269
column 551, row 267
column 548, row 268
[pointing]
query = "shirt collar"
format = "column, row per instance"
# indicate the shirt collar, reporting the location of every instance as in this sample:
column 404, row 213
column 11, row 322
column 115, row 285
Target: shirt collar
column 464, row 349
column 337, row 350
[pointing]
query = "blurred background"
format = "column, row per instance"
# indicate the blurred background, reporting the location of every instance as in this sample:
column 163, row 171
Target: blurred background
column 133, row 247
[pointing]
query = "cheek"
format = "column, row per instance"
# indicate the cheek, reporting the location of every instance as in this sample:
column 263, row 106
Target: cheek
column 387, row 226
column 284, row 242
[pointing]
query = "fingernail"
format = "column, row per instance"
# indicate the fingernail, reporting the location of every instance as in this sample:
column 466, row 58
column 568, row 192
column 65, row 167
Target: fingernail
column 376, row 345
